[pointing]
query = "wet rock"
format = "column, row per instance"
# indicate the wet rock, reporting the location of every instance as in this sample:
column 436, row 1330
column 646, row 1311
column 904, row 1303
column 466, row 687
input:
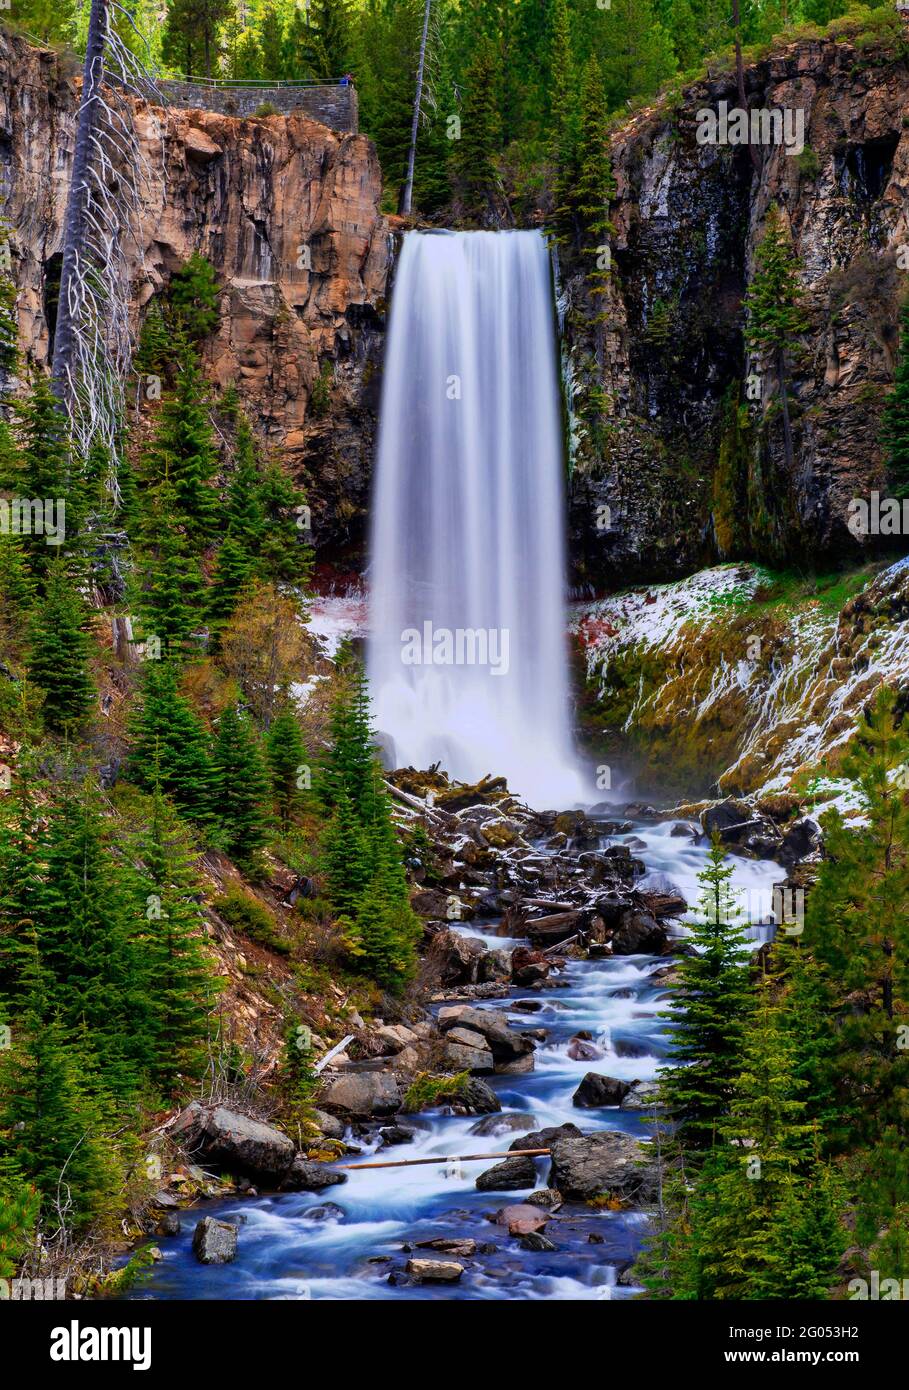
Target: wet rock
column 449, row 1245
column 494, row 965
column 529, row 967
column 506, row 1123
column 362, row 1091
column 604, row 1164
column 479, row 1098
column 629, row 1047
column 440, row 907
column 522, row 1219
column 515, row 1066
column 214, row 1135
column 683, row 829
column 395, row 1134
column 641, row 1095
column 555, row 927
column 215, row 1242
column 168, row 1224
column 509, row 1176
column 543, row 1138
column 548, row 1197
column 596, row 1091
column 325, row 1211
column 308, row 1175
column 537, row 1241
column 802, row 839
column 584, row 1049
column 639, row 933
column 435, row 1271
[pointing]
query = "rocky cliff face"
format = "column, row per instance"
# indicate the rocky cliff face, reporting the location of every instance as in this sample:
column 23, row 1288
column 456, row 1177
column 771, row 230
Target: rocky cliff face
column 287, row 212
column 687, row 476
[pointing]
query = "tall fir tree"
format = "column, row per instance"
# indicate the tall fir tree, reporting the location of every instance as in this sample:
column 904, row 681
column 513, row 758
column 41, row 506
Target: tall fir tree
column 242, row 789
column 775, row 311
column 58, row 660
column 170, row 744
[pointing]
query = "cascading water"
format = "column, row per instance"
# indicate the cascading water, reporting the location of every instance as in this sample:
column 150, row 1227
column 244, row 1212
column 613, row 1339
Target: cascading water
column 467, row 656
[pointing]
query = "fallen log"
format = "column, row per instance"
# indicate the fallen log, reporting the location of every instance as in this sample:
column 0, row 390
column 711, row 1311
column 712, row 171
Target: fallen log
column 449, row 1158
column 555, row 928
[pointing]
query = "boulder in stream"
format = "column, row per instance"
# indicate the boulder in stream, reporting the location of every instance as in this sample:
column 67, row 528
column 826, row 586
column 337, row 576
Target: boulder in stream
column 217, row 1136
column 508, row 1176
column 509, row 1122
column 596, row 1091
column 607, row 1163
column 308, row 1175
column 435, row 1271
column 522, row 1219
column 215, row 1242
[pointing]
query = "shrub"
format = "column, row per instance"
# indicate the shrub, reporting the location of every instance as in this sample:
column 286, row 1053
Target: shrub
column 246, row 914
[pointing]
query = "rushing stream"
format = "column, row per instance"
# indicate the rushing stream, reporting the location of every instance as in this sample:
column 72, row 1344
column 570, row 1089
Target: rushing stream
column 344, row 1242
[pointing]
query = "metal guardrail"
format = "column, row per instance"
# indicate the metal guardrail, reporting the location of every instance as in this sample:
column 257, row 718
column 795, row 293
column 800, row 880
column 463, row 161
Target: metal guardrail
column 258, row 83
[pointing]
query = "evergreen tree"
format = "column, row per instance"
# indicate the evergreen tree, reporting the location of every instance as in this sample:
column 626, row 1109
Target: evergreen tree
column 177, row 977
column 283, row 551
column 86, row 940
column 857, row 917
column 332, row 22
column 168, row 586
column 184, row 457
column 286, row 756
column 634, row 52
column 775, row 311
column 346, row 857
column 896, row 415
column 170, row 745
column 193, row 299
column 349, row 763
column 242, row 791
column 53, row 1127
column 474, row 154
column 271, row 42
column 19, row 1205
column 709, row 1013
column 59, row 654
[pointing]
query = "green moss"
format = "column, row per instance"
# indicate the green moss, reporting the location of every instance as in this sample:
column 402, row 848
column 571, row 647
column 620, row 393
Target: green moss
column 427, row 1090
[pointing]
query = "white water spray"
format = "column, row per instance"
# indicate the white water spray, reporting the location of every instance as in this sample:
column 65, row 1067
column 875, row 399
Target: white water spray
column 468, row 648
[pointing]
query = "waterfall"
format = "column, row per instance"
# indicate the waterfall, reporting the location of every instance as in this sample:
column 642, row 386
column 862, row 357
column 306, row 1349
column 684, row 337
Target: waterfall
column 468, row 649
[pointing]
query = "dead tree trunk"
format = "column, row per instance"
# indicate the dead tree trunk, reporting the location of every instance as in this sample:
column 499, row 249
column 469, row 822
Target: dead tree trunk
column 406, row 199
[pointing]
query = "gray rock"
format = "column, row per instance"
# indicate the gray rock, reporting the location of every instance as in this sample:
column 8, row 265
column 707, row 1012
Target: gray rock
column 604, row 1164
column 308, row 1175
column 215, row 1242
column 480, row 1098
column 366, row 1091
column 537, row 1241
column 508, row 1122
column 596, row 1091
column 505, row 1041
column 329, row 1125
column 543, row 1138
column 641, row 1095
column 509, row 1176
column 217, row 1136
column 479, row 1061
column 435, row 1271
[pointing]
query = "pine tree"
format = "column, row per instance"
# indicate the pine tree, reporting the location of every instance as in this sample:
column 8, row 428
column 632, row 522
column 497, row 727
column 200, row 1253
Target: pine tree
column 59, row 654
column 332, row 22
column 55, row 1130
column 709, row 1013
column 170, row 745
column 177, row 977
column 857, row 917
column 168, row 586
column 86, row 940
column 348, row 765
column 283, row 549
column 20, row 1202
column 775, row 311
column 242, row 790
column 286, row 758
column 634, row 51
column 271, row 42
column 183, row 455
column 474, row 154
column 346, row 857
column 895, row 432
